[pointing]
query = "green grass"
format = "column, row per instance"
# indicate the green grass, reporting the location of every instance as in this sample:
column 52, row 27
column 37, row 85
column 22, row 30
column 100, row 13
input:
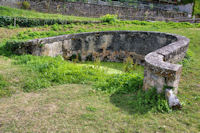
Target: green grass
column 13, row 12
column 56, row 29
column 104, row 98
column 57, row 71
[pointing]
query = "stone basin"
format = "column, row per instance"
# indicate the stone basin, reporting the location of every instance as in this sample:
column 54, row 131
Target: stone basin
column 157, row 52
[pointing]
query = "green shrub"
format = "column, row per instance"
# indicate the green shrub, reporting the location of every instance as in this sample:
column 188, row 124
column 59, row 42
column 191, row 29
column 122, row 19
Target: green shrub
column 11, row 46
column 56, row 27
column 109, row 18
column 25, row 5
column 6, row 21
column 30, row 22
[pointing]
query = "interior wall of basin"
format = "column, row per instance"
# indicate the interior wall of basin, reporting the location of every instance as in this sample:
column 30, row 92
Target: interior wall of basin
column 109, row 46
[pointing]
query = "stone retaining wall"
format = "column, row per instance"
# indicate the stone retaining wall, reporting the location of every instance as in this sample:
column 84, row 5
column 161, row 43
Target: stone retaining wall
column 156, row 51
column 96, row 10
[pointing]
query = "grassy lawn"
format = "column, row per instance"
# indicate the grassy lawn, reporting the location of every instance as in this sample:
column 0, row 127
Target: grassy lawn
column 36, row 102
column 73, row 108
column 7, row 11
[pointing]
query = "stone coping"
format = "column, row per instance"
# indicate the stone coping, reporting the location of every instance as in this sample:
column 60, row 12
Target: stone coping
column 159, row 59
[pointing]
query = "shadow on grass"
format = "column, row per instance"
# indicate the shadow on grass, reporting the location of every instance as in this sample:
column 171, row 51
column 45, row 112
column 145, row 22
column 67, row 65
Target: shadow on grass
column 127, row 102
column 140, row 102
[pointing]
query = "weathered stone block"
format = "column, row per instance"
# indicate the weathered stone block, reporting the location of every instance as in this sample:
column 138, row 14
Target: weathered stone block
column 52, row 49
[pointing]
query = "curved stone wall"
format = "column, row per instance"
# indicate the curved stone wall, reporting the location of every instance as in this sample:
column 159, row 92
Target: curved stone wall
column 156, row 51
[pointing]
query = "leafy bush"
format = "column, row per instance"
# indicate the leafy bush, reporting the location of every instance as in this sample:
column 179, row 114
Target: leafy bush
column 30, row 22
column 129, row 65
column 26, row 5
column 13, row 45
column 56, row 27
column 109, row 18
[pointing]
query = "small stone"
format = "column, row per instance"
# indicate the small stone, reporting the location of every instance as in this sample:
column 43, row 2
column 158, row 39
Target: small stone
column 173, row 101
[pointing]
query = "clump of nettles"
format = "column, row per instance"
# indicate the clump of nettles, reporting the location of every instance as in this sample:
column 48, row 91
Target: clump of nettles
column 129, row 65
column 97, row 62
column 56, row 27
column 109, row 18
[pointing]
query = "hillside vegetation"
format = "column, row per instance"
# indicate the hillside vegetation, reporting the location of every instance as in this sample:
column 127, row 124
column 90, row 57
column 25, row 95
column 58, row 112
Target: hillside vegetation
column 13, row 12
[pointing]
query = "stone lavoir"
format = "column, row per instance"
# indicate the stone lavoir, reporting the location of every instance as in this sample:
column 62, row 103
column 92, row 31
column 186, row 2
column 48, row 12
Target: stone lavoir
column 156, row 51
